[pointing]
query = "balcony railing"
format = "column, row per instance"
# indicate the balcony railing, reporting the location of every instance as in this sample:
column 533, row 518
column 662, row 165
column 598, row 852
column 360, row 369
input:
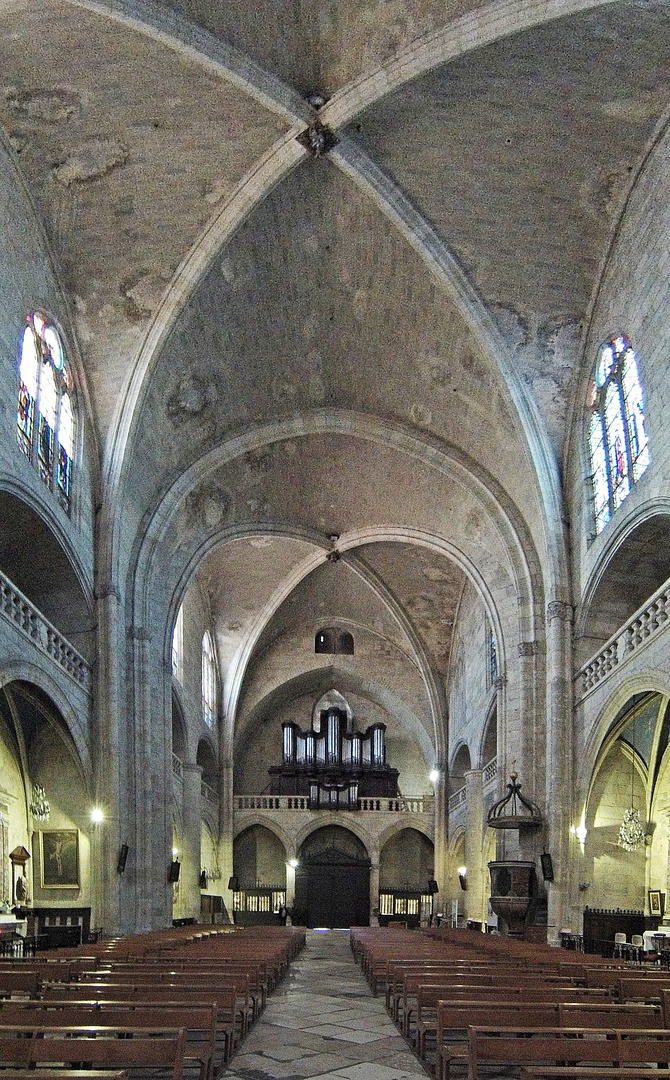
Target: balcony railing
column 645, row 624
column 399, row 805
column 459, row 798
column 490, row 771
column 209, row 794
column 18, row 610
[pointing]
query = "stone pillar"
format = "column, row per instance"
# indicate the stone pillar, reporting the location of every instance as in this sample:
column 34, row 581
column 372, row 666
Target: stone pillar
column 441, row 838
column 474, row 854
column 189, row 877
column 290, row 878
column 374, row 887
column 107, row 886
column 226, row 831
column 563, row 898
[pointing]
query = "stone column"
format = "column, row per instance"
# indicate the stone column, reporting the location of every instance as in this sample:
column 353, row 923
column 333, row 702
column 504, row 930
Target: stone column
column 563, row 899
column 189, row 877
column 226, row 831
column 474, row 854
column 441, row 838
column 374, row 886
column 107, row 886
column 290, row 878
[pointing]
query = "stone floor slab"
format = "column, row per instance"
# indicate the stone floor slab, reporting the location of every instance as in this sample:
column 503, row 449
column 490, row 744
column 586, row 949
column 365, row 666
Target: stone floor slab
column 323, row 1023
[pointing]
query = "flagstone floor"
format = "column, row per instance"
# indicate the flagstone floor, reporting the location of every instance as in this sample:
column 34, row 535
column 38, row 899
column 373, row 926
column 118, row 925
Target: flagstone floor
column 322, row 1023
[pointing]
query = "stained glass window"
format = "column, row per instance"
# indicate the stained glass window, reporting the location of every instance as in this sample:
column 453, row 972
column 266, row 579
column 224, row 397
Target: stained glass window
column 208, row 681
column 45, row 425
column 618, row 441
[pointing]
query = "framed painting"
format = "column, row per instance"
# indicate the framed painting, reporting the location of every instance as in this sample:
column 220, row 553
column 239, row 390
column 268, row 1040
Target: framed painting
column 655, row 902
column 59, row 858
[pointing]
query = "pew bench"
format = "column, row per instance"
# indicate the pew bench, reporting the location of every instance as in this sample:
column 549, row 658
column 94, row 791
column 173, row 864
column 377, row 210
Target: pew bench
column 31, row 1045
column 576, row 1046
column 199, row 1022
column 457, row 1016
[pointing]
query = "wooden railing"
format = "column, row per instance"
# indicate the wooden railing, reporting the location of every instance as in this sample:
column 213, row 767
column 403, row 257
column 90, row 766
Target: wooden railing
column 18, row 610
column 647, row 622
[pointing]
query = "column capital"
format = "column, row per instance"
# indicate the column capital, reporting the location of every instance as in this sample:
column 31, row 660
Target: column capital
column 558, row 609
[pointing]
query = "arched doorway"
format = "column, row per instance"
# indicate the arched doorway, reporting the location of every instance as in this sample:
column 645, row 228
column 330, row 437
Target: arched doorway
column 332, row 881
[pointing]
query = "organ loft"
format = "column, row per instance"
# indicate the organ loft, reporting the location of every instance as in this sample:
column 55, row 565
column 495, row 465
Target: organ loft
column 332, row 763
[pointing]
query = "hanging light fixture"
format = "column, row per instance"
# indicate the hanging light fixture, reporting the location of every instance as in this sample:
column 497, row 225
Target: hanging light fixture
column 631, row 831
column 39, row 807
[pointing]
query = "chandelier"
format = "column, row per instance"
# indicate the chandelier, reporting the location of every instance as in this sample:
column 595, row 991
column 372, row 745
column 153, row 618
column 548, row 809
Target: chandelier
column 39, row 807
column 631, row 831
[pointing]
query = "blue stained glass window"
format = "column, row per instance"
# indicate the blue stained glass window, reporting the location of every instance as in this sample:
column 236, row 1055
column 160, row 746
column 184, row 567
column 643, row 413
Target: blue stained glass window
column 45, row 414
column 617, row 437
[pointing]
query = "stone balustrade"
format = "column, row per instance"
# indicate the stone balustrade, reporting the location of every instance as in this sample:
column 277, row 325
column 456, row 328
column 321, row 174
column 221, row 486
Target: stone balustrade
column 208, row 793
column 398, row 805
column 647, row 622
column 490, row 771
column 18, row 610
column 459, row 798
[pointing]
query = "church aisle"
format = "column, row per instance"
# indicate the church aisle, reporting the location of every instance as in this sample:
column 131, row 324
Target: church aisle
column 322, row 1023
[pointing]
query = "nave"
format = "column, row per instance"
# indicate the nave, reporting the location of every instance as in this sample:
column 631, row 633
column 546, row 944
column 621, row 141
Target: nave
column 322, row 1021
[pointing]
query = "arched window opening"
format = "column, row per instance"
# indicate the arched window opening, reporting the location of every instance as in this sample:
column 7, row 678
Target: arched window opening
column 178, row 646
column 618, row 441
column 335, row 641
column 45, row 413
column 208, row 681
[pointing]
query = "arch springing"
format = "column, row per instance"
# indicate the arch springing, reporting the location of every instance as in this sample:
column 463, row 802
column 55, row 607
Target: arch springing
column 618, row 441
column 208, row 681
column 45, row 413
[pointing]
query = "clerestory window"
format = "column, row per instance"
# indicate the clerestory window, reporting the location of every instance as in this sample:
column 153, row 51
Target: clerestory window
column 208, row 681
column 618, row 441
column 178, row 646
column 45, row 414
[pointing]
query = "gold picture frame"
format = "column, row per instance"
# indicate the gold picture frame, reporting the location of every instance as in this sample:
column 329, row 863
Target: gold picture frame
column 655, row 906
column 59, row 858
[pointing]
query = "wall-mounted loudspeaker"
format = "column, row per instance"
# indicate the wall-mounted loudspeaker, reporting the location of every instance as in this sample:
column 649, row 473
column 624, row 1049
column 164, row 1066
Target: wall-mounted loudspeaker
column 234, row 883
column 173, row 872
column 547, row 866
column 432, row 886
column 123, row 855
column 203, row 879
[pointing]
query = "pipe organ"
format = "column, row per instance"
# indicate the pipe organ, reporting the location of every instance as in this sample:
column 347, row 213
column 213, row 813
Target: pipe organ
column 334, row 766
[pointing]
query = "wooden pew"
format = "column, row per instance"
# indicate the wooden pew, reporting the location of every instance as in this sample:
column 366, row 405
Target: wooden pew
column 231, row 1017
column 517, row 985
column 585, row 1072
column 199, row 1022
column 560, row 1046
column 644, row 988
column 97, row 1046
column 453, row 1016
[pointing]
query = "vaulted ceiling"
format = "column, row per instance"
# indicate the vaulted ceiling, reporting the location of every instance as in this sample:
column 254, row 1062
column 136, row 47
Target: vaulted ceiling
column 219, row 277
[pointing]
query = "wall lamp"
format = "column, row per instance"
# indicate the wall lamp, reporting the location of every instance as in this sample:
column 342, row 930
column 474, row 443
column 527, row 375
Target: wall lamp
column 462, row 877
